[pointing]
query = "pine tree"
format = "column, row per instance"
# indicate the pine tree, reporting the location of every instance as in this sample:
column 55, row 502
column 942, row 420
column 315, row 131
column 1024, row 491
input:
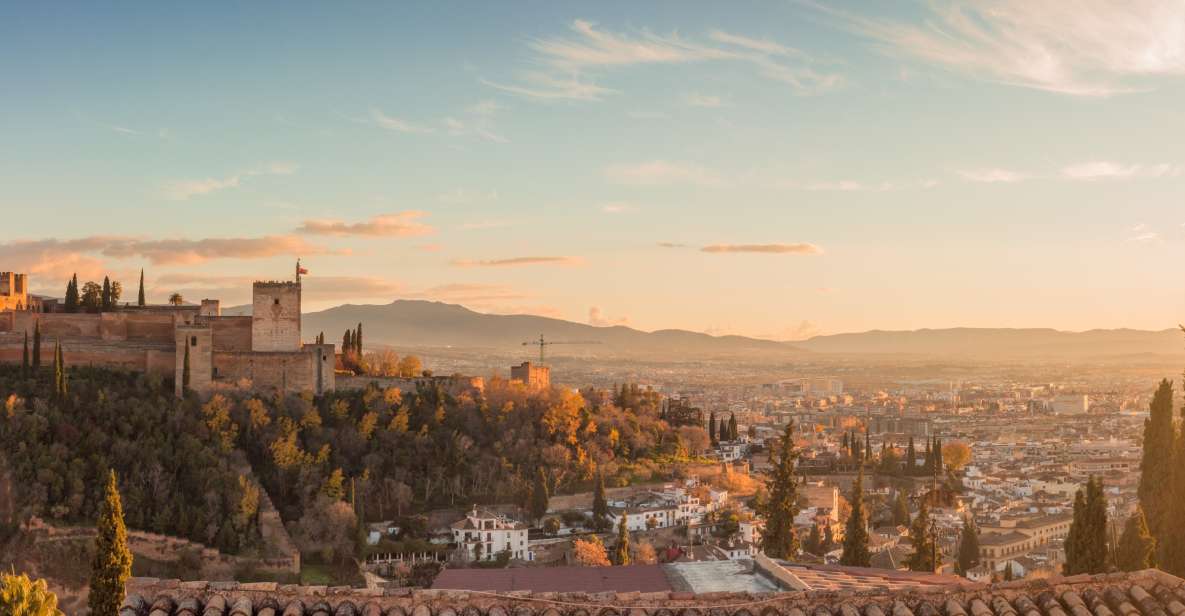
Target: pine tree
column 185, row 375
column 37, row 346
column 25, row 357
column 921, row 535
column 900, row 509
column 968, row 546
column 600, row 508
column 140, row 296
column 112, row 564
column 779, row 540
column 621, row 552
column 712, row 428
column 105, row 298
column 1137, row 548
column 539, row 496
column 855, row 540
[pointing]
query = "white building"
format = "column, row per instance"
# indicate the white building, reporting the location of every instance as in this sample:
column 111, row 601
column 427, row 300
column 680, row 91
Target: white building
column 494, row 533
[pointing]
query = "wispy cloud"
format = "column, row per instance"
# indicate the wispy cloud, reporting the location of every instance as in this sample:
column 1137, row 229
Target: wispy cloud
column 1089, row 171
column 383, row 120
column 1105, row 170
column 1141, row 233
column 671, row 245
column 518, row 262
column 591, row 48
column 616, row 208
column 992, row 176
column 458, row 196
column 855, row 185
column 180, row 190
column 1092, row 48
column 658, row 172
column 777, row 249
column 541, row 86
column 399, row 224
column 703, row 100
column 596, row 318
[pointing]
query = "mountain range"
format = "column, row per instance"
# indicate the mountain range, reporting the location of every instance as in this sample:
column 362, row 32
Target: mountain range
column 417, row 323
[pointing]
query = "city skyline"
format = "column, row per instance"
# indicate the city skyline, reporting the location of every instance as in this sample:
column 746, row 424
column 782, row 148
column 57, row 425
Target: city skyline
column 821, row 168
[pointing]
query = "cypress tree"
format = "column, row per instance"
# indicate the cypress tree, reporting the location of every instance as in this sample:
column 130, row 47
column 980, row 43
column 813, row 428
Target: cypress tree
column 348, row 342
column 600, row 508
column 105, row 298
column 59, row 372
column 968, row 546
column 921, row 535
column 112, row 564
column 1156, row 465
column 37, row 346
column 855, row 540
column 1008, row 574
column 779, row 540
column 732, row 427
column 25, row 357
column 621, row 553
column 1172, row 545
column 1086, row 545
column 539, row 496
column 911, row 458
column 712, row 428
column 900, row 510
column 185, row 375
column 358, row 340
column 140, row 296
column 1137, row 548
column 867, row 446
column 72, row 298
column 844, row 445
column 814, row 542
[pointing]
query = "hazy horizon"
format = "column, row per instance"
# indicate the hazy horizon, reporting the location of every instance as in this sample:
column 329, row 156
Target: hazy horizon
column 778, row 173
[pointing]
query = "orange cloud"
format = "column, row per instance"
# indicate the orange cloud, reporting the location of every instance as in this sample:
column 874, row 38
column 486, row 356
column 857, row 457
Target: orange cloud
column 517, row 261
column 794, row 249
column 400, row 224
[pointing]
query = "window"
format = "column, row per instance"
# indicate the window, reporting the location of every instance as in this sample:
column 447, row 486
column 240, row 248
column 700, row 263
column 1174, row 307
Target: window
column 276, row 302
column 193, row 341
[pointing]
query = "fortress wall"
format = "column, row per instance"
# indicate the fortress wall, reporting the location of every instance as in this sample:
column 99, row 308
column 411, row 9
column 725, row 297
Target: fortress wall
column 57, row 325
column 148, row 326
column 291, row 372
column 231, row 333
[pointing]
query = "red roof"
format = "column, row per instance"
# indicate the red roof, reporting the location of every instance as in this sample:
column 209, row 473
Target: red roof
column 641, row 578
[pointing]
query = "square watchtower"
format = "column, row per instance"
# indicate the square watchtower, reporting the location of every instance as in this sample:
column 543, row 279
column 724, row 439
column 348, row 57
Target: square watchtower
column 275, row 324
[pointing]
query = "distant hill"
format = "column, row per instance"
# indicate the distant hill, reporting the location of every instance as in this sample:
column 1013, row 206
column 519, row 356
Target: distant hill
column 417, row 323
column 1003, row 343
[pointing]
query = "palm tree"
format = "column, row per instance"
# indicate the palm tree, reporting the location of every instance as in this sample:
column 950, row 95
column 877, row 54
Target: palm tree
column 176, row 299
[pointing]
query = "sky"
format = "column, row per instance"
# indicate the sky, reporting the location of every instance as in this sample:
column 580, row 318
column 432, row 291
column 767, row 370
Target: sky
column 777, row 169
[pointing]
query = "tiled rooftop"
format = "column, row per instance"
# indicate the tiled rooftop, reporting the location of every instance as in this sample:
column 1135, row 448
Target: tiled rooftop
column 1145, row 593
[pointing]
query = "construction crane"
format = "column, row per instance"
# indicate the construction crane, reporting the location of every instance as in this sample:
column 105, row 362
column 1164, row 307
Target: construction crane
column 542, row 344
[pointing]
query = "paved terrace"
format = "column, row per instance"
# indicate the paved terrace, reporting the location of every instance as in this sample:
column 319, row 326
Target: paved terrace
column 1144, row 593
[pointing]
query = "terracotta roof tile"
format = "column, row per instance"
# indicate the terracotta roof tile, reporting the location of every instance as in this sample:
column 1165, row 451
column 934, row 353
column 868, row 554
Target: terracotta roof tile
column 1145, row 593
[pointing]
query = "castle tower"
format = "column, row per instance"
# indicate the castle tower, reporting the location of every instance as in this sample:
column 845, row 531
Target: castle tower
column 199, row 339
column 275, row 324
